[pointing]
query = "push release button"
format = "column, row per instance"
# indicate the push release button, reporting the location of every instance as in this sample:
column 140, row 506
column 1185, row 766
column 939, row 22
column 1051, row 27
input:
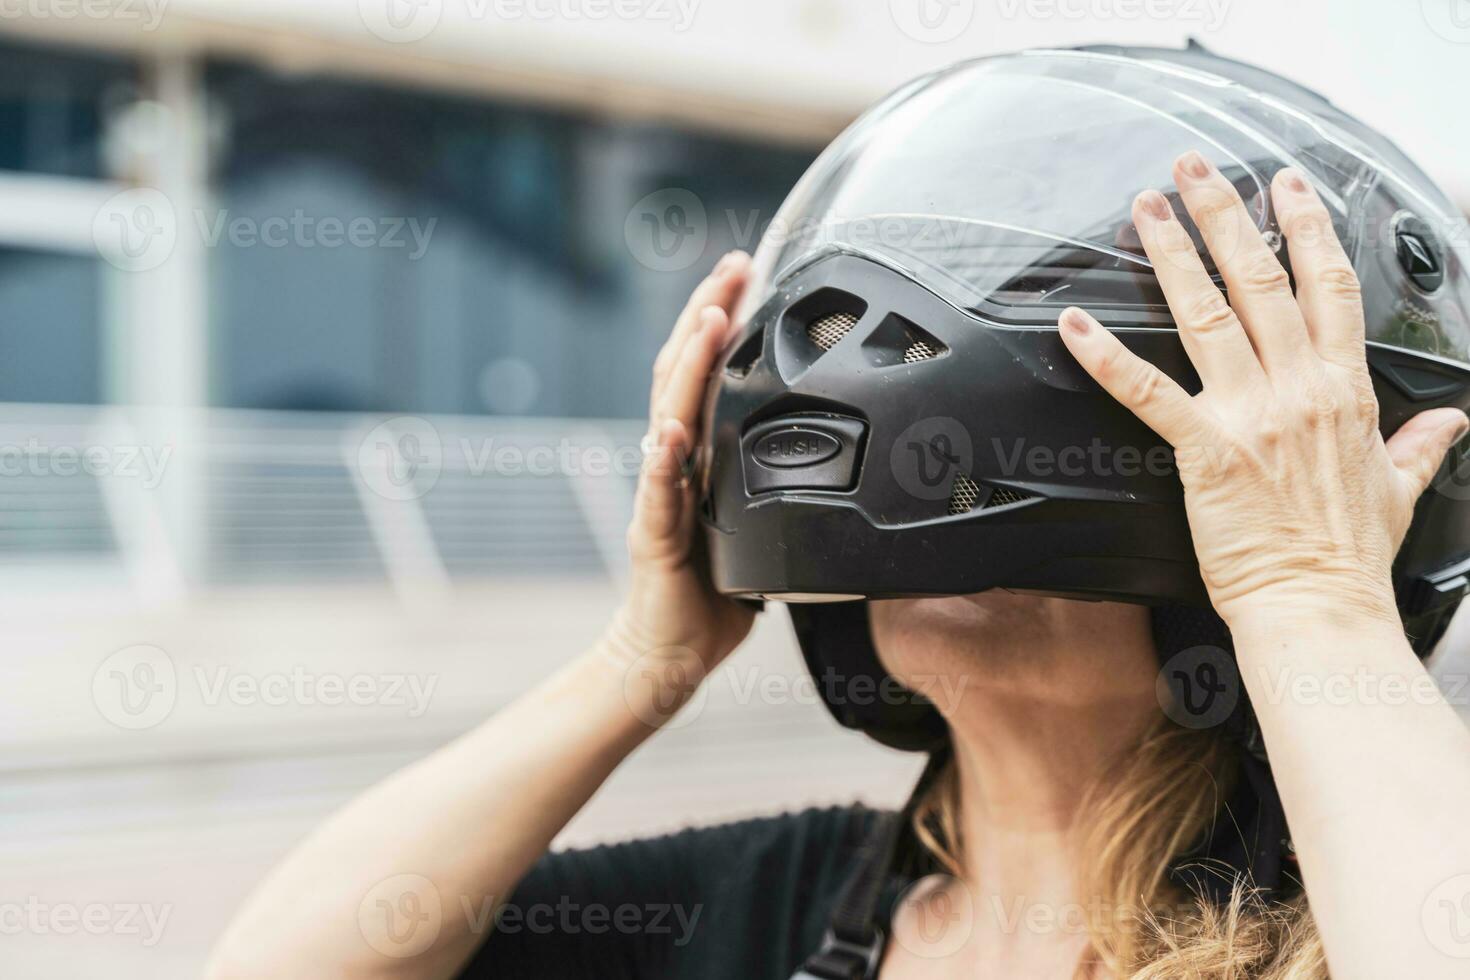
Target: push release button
column 802, row 452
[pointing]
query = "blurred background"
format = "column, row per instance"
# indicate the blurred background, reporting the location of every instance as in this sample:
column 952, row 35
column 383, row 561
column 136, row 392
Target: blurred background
column 325, row 329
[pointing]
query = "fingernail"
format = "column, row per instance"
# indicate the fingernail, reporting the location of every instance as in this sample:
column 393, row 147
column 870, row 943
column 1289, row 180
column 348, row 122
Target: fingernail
column 1076, row 322
column 1294, row 181
column 1156, row 205
column 1194, row 164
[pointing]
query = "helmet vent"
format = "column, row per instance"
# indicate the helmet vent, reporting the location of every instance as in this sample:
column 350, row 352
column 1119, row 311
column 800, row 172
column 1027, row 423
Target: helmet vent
column 826, row 331
column 1000, row 496
column 897, row 341
column 966, row 493
column 745, row 356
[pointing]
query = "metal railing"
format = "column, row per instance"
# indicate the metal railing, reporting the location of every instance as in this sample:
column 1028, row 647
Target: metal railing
column 158, row 502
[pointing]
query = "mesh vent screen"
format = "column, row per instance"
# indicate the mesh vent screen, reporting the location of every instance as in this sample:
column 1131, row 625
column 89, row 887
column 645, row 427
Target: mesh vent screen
column 967, row 493
column 826, row 331
column 918, row 351
column 1000, row 496
column 962, row 498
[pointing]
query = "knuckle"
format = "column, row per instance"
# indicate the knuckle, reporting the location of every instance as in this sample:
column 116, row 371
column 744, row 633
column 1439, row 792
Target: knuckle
column 1337, row 279
column 1111, row 362
column 1208, row 313
column 1317, row 404
column 1364, row 398
column 1145, row 386
column 1262, row 273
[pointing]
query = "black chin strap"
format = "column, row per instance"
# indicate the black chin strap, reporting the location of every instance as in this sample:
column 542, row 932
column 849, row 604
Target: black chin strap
column 854, row 944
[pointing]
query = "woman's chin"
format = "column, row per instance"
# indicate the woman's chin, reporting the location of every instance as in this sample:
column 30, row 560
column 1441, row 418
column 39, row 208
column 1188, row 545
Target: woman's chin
column 974, row 623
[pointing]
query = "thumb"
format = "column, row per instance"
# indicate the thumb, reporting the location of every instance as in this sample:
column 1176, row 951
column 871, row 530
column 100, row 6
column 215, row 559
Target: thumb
column 1420, row 445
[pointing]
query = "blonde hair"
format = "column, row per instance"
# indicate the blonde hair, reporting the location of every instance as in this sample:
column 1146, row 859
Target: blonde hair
column 1149, row 808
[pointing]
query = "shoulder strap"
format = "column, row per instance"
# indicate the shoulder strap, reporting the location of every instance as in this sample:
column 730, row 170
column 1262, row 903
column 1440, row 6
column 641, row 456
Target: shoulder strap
column 856, row 938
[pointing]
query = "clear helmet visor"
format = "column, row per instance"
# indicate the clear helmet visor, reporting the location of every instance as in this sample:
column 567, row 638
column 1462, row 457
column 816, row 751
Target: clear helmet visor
column 1007, row 185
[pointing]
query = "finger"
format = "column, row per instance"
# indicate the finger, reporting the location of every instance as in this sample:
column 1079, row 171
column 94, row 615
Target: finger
column 1327, row 289
column 657, row 530
column 1419, row 447
column 1143, row 389
column 1259, row 288
column 1212, row 335
column 683, row 396
column 722, row 288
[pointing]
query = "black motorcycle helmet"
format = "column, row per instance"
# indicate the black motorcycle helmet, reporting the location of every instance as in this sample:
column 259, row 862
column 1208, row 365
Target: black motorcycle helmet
column 898, row 415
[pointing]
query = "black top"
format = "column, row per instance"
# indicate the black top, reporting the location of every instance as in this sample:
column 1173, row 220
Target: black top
column 741, row 901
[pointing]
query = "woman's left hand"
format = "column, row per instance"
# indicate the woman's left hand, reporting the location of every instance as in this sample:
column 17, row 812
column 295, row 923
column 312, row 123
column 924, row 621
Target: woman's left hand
column 1293, row 497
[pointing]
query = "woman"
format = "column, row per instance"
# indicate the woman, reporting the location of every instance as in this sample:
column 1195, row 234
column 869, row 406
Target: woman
column 1068, row 789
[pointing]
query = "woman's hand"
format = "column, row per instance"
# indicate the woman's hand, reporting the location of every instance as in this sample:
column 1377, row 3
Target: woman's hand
column 1294, row 499
column 672, row 615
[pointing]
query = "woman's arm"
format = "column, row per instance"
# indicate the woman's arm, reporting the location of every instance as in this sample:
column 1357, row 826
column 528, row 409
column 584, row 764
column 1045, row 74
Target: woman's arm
column 398, row 883
column 1297, row 507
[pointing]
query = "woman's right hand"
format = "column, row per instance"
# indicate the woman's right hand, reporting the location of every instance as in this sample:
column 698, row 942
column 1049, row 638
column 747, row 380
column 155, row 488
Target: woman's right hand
column 673, row 618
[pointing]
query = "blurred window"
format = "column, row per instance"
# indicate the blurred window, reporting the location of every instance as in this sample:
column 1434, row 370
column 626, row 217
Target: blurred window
column 53, row 104
column 50, row 317
column 383, row 250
